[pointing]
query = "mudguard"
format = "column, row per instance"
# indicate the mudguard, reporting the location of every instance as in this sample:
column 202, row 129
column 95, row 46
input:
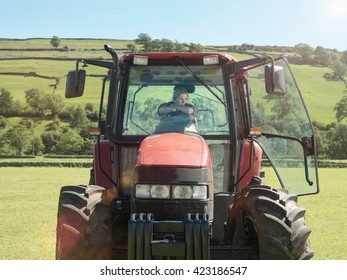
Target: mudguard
column 255, row 167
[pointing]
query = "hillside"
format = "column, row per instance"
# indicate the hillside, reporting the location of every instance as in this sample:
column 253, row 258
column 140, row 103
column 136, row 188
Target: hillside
column 35, row 66
column 18, row 58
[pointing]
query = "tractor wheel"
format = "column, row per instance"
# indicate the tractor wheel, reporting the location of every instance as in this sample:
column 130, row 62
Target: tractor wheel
column 84, row 226
column 269, row 221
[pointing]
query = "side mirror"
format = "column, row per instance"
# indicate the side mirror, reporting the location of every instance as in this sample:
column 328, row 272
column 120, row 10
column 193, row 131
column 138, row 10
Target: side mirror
column 75, row 83
column 274, row 80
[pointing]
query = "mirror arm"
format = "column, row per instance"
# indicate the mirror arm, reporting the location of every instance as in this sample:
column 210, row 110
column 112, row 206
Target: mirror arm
column 307, row 176
column 100, row 63
column 273, row 74
column 239, row 67
column 76, row 75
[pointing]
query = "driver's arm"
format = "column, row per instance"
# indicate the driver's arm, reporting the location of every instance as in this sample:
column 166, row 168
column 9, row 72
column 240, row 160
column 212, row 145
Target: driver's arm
column 165, row 109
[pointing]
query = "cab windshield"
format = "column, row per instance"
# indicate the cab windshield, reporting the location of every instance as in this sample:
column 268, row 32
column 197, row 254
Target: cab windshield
column 152, row 87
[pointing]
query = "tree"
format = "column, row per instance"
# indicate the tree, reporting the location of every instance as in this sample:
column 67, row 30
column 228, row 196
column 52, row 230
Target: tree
column 131, row 47
column 341, row 109
column 167, row 45
column 37, row 146
column 258, row 113
column 3, row 122
column 195, row 47
column 54, row 125
column 87, row 147
column 6, row 101
column 19, row 138
column 27, row 123
column 154, row 46
column 91, row 112
column 336, row 147
column 78, row 118
column 322, row 56
column 49, row 140
column 344, row 57
column 69, row 143
column 34, row 98
column 42, row 103
column 3, row 149
column 305, row 51
column 55, row 41
column 340, row 70
column 180, row 47
column 143, row 39
column 53, row 103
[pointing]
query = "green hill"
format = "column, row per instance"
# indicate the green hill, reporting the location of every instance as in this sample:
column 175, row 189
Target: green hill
column 38, row 57
column 319, row 94
column 35, row 64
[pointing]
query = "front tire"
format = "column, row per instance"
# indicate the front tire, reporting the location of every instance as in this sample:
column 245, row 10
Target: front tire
column 84, row 228
column 270, row 222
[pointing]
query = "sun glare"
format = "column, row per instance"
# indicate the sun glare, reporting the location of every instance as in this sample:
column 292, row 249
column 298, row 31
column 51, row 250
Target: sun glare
column 337, row 9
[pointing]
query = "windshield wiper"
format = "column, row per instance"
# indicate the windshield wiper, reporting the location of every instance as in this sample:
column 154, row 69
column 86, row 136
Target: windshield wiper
column 198, row 79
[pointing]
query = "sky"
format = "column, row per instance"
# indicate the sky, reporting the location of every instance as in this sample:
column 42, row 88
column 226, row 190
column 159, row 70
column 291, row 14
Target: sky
column 207, row 22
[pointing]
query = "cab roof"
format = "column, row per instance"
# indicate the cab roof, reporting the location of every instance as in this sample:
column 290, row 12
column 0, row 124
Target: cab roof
column 167, row 56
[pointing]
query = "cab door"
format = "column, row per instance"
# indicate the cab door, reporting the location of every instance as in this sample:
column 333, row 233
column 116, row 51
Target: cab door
column 287, row 135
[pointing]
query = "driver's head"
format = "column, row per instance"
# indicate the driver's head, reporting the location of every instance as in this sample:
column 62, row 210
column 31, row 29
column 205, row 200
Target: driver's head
column 180, row 96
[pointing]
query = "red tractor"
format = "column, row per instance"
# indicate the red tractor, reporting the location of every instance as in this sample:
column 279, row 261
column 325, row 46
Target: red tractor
column 199, row 156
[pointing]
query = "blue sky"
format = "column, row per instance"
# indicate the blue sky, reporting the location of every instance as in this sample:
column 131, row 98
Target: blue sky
column 208, row 22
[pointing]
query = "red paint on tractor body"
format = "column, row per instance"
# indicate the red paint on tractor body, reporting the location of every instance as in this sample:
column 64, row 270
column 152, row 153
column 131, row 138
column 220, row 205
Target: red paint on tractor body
column 174, row 150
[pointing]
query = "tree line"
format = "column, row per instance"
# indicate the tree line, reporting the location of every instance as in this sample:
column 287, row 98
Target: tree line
column 147, row 44
column 331, row 138
column 66, row 133
column 67, row 128
column 320, row 56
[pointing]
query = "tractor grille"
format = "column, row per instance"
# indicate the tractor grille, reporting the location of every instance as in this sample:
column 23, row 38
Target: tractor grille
column 169, row 209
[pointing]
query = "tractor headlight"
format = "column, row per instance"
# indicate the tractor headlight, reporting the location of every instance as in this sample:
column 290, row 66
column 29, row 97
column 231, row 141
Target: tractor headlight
column 164, row 191
column 152, row 191
column 160, row 191
column 189, row 192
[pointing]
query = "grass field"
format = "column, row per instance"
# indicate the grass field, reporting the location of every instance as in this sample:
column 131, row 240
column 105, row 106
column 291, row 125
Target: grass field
column 320, row 95
column 29, row 197
column 71, row 43
column 28, row 206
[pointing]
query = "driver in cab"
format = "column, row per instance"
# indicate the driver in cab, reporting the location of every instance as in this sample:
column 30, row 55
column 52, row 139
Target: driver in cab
column 177, row 115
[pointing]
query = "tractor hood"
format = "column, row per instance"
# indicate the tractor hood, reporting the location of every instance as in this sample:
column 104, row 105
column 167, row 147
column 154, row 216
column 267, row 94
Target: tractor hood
column 174, row 149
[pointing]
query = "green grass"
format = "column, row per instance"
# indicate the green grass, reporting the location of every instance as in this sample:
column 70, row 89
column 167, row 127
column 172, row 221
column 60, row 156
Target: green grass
column 319, row 94
column 326, row 214
column 84, row 159
column 84, row 48
column 79, row 44
column 28, row 203
column 17, row 85
column 29, row 198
